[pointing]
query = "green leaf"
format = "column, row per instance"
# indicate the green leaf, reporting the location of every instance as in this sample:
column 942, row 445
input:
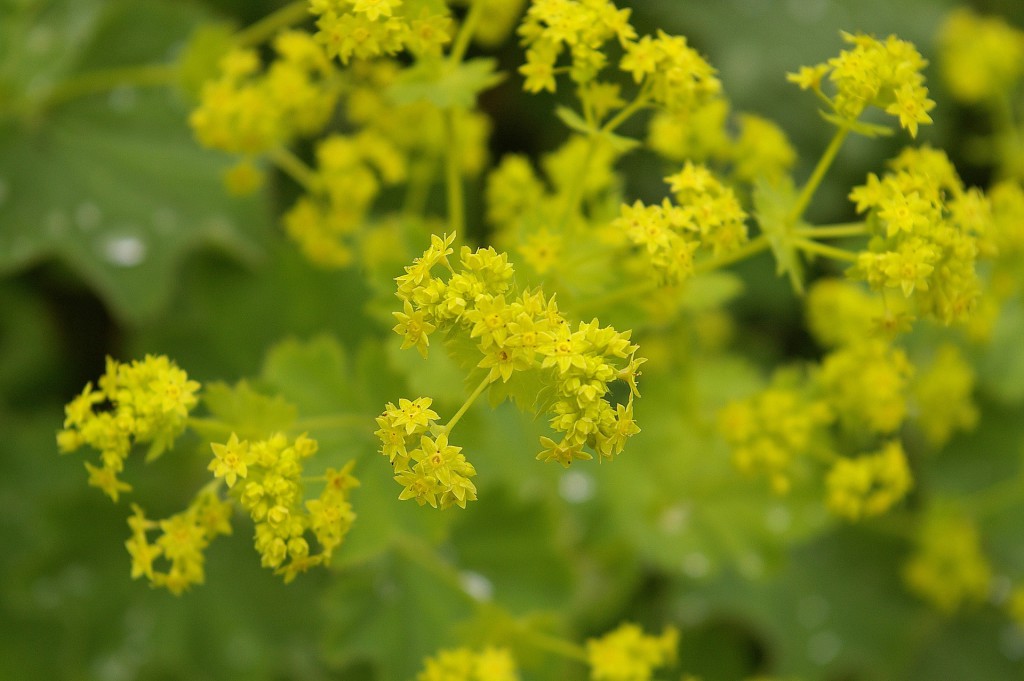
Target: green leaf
column 313, row 375
column 773, row 204
column 113, row 184
column 675, row 494
column 394, row 612
column 575, row 122
column 239, row 408
column 445, row 85
column 860, row 127
column 511, row 544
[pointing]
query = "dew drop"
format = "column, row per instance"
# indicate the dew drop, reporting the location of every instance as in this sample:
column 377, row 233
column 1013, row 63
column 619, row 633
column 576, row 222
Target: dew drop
column 240, row 649
column 1000, row 590
column 751, row 565
column 40, row 40
column 576, row 487
column 220, row 226
column 753, row 8
column 823, row 647
column 812, row 611
column 675, row 519
column 124, row 251
column 1011, row 642
column 807, row 11
column 122, row 99
column 113, row 667
column 696, row 565
column 46, row 595
column 476, row 585
column 778, row 519
column 88, row 216
column 56, row 223
column 165, row 220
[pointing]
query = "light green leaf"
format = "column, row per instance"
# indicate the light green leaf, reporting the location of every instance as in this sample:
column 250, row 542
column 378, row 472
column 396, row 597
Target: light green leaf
column 314, row 376
column 394, row 612
column 511, row 544
column 445, row 85
column 574, row 121
column 773, row 204
column 239, row 408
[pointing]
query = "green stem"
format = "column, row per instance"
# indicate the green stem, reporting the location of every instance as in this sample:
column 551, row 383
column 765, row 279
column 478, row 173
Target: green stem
column 453, row 175
column 209, row 423
column 465, row 33
column 415, row 551
column 295, row 168
column 289, row 15
column 817, row 175
column 827, row 251
column 752, row 247
column 337, row 421
column 836, row 231
column 575, row 193
column 625, row 113
column 466, row 405
column 93, row 82
column 552, row 644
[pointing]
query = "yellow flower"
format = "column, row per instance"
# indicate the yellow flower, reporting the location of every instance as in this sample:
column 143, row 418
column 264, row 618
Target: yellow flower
column 870, row 484
column 230, row 460
column 628, row 654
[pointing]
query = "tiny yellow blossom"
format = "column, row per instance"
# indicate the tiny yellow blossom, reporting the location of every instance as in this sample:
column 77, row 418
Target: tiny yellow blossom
column 628, row 654
column 230, row 460
column 948, row 568
column 870, row 484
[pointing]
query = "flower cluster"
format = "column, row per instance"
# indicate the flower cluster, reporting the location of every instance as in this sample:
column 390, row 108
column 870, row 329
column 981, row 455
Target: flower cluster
column 521, row 203
column 349, row 174
column 948, row 569
column 982, row 58
column 674, row 74
column 522, row 337
column 669, row 72
column 1004, row 243
column 363, row 29
column 142, row 402
column 463, row 664
column 840, row 312
column 770, row 431
column 580, row 27
column 182, row 540
column 706, row 213
column 869, row 484
column 430, row 470
column 628, row 654
column 272, row 493
column 925, row 227
column 886, row 74
column 867, row 382
column 943, row 396
column 251, row 110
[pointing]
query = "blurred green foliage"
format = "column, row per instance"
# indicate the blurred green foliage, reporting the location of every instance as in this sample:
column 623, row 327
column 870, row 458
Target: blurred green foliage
column 117, row 238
